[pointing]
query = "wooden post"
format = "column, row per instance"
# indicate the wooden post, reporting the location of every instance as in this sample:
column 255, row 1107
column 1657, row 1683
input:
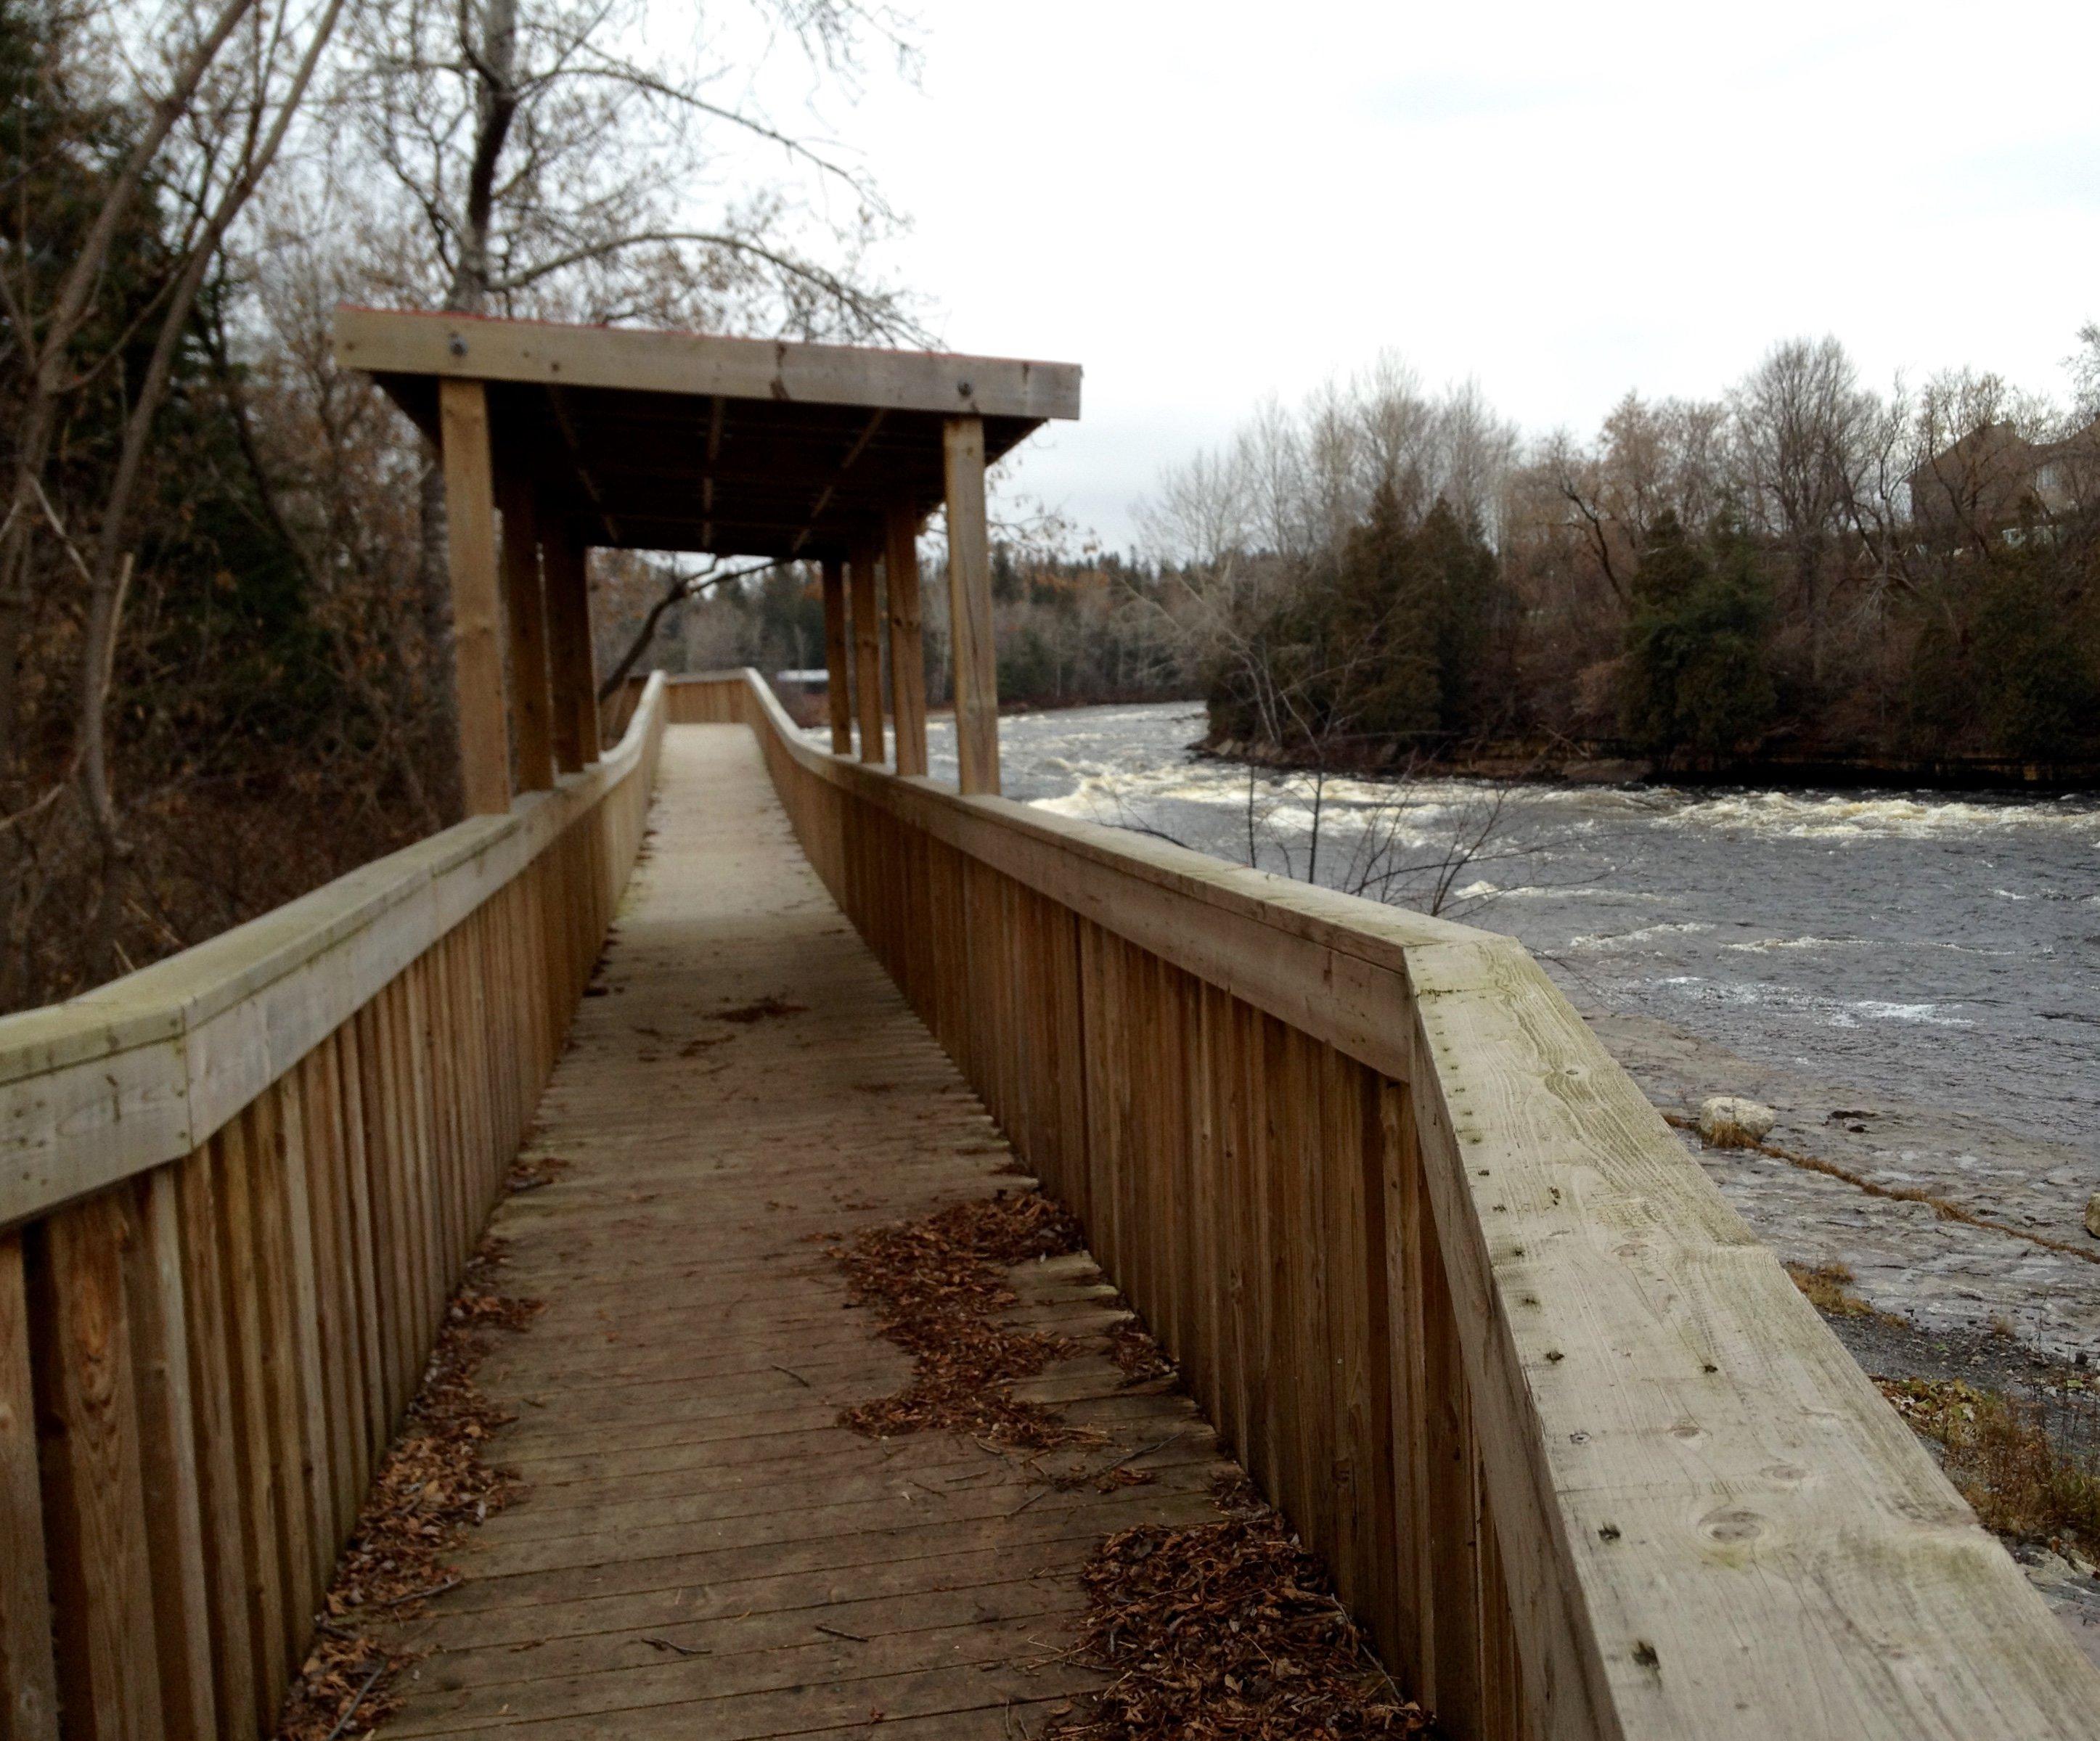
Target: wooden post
column 907, row 662
column 835, row 656
column 969, row 606
column 477, row 652
column 574, row 668
column 867, row 654
column 525, row 607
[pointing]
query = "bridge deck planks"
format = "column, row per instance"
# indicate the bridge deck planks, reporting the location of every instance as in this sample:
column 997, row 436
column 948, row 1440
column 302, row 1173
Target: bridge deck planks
column 687, row 1487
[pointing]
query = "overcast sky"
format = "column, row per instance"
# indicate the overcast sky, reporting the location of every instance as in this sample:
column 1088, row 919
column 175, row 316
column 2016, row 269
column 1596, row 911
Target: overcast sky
column 1204, row 203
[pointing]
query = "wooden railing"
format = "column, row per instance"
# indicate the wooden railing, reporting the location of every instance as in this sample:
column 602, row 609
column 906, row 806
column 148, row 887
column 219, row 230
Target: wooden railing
column 1576, row 1449
column 236, row 1191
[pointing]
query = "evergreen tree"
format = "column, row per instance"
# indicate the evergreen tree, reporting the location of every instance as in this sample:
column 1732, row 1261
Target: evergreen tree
column 1466, row 579
column 1696, row 674
column 1386, row 620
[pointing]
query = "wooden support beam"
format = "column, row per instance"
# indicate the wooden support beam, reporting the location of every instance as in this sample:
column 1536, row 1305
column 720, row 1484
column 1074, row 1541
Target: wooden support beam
column 867, row 653
column 565, row 562
column 969, row 606
column 907, row 662
column 477, row 646
column 839, row 694
column 525, row 609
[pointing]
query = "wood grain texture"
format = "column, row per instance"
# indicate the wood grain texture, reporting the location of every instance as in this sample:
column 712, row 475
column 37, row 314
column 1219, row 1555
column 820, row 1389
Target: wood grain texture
column 907, row 653
column 29, row 1677
column 387, row 342
column 969, row 607
column 94, row 1501
column 477, row 601
column 838, row 691
column 525, row 614
column 572, row 674
column 867, row 653
column 1581, row 1457
column 158, row 1303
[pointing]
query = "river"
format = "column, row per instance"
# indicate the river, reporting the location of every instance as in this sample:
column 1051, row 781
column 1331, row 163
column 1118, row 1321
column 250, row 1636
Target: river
column 1925, row 961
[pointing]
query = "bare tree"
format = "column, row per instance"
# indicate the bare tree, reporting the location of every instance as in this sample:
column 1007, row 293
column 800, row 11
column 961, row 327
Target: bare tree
column 1799, row 416
column 219, row 100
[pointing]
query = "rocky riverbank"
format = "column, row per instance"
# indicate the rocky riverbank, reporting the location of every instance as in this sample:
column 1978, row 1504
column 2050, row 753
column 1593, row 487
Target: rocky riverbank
column 2024, row 1271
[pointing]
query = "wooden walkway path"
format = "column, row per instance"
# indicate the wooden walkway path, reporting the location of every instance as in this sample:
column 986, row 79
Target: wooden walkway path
column 701, row 1551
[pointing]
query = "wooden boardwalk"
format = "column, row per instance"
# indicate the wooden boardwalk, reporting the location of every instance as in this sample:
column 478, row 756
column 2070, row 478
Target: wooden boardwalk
column 701, row 1551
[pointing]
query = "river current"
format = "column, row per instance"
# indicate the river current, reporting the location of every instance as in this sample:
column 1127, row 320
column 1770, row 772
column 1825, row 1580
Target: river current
column 1924, row 948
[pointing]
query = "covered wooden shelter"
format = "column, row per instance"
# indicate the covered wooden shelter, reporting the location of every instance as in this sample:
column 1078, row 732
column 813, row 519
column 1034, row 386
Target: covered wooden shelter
column 558, row 439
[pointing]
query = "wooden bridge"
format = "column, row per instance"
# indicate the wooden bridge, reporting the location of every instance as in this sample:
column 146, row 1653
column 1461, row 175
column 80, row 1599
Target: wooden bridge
column 1579, row 1457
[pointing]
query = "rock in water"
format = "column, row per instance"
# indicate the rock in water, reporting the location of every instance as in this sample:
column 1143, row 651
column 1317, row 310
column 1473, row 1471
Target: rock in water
column 2092, row 1214
column 1728, row 1121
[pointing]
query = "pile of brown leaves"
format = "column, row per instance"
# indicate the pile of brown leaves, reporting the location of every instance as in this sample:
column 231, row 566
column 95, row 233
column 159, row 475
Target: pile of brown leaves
column 1227, row 1630
column 1132, row 1348
column 431, row 1487
column 938, row 1284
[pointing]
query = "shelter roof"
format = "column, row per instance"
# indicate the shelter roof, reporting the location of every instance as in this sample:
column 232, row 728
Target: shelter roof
column 688, row 441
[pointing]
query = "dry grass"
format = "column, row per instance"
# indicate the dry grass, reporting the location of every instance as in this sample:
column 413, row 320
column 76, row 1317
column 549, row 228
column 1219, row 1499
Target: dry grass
column 1828, row 1288
column 2030, row 1466
column 1225, row 1632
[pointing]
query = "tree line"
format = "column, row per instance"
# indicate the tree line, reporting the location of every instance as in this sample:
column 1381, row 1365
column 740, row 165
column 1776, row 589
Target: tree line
column 1802, row 573
column 1071, row 625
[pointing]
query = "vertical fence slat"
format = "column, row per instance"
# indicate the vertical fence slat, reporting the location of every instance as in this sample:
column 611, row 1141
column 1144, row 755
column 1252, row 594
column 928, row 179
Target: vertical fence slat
column 255, row 1466
column 302, row 1304
column 335, row 1326
column 94, row 1500
column 29, row 1676
column 281, row 1378
column 220, row 1496
column 374, row 1419
column 159, row 1312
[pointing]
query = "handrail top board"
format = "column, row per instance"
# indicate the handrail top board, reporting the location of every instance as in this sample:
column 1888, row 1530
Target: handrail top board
column 141, row 1070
